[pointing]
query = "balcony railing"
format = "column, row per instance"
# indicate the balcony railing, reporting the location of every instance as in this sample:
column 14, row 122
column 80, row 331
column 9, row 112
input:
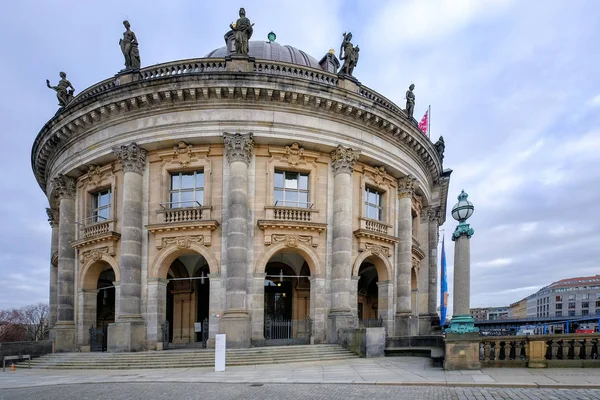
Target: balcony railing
column 95, row 226
column 172, row 212
column 374, row 226
column 285, row 212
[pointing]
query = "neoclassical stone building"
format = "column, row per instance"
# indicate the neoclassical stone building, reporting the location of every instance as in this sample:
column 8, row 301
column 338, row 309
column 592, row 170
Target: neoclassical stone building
column 238, row 191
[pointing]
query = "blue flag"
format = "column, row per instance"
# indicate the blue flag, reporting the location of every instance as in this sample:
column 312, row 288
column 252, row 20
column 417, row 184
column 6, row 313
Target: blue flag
column 444, row 288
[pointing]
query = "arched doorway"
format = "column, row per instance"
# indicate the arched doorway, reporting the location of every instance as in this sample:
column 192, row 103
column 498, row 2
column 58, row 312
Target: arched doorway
column 367, row 297
column 287, row 292
column 97, row 304
column 187, row 300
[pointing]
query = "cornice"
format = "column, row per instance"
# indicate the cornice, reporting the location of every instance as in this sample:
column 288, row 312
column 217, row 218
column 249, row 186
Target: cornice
column 297, row 225
column 201, row 82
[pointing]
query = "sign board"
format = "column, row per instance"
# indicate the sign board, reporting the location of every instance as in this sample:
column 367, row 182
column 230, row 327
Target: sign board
column 220, row 352
column 197, row 327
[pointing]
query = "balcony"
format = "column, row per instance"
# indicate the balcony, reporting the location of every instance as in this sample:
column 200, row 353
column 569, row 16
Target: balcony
column 96, row 231
column 372, row 232
column 287, row 212
column 285, row 219
column 174, row 212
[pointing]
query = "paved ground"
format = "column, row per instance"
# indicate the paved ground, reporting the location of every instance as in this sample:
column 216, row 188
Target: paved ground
column 145, row 391
column 405, row 377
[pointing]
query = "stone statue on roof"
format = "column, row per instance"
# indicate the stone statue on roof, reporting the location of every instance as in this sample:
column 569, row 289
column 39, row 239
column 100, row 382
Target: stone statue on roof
column 349, row 54
column 440, row 146
column 129, row 47
column 243, row 32
column 64, row 90
column 410, row 101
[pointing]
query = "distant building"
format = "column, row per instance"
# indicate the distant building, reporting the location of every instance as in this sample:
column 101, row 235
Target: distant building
column 518, row 309
column 479, row 313
column 498, row 313
column 566, row 298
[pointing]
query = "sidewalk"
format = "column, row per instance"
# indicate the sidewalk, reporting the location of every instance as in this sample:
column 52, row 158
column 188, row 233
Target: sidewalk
column 378, row 371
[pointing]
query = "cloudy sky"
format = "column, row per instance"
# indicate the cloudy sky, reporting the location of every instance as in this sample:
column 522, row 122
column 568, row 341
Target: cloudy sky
column 513, row 87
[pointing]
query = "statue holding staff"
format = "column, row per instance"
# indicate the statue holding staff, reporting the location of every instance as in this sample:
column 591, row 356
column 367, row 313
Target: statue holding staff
column 243, row 32
column 63, row 93
column 349, row 54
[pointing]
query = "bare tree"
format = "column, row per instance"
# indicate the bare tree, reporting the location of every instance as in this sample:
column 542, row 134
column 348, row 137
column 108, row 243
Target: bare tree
column 29, row 323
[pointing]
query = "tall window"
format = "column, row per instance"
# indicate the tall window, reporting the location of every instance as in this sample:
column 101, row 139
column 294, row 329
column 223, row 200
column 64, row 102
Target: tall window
column 373, row 204
column 559, row 314
column 558, row 306
column 187, row 189
column 291, row 189
column 558, row 298
column 101, row 205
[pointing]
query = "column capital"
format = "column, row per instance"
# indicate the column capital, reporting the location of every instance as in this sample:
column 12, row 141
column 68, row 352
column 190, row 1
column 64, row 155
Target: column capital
column 343, row 159
column 462, row 229
column 65, row 186
column 238, row 147
column 132, row 156
column 407, row 186
column 434, row 214
column 53, row 216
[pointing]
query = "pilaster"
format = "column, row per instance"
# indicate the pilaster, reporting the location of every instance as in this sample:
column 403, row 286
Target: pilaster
column 53, row 219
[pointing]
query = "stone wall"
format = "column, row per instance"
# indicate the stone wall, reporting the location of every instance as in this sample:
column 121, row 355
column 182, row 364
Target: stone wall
column 366, row 342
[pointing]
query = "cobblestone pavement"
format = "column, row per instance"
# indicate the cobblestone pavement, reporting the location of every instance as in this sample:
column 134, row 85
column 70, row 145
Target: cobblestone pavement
column 146, row 391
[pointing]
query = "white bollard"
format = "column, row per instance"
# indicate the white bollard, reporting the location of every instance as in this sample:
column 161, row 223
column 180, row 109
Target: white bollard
column 220, row 347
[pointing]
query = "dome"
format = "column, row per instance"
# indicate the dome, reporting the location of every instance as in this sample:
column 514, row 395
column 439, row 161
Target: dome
column 271, row 51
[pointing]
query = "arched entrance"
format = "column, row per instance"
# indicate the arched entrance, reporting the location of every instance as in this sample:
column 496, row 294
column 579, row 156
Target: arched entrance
column 187, row 300
column 97, row 304
column 374, row 290
column 287, row 295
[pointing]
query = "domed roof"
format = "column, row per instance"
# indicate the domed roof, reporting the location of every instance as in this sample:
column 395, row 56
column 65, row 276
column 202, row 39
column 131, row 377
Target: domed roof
column 271, row 51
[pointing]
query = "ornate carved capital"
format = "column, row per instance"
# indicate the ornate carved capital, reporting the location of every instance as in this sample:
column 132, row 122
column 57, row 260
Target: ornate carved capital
column 65, row 187
column 343, row 159
column 52, row 216
column 434, row 214
column 133, row 157
column 238, row 147
column 407, row 186
column 294, row 154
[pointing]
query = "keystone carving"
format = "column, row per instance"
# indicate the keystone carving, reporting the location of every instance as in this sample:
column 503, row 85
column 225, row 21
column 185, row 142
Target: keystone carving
column 183, row 242
column 238, row 147
column 64, row 186
column 182, row 154
column 132, row 156
column 94, row 254
column 292, row 240
column 94, row 176
column 377, row 250
column 294, row 154
column 379, row 175
column 53, row 216
column 343, row 159
column 407, row 186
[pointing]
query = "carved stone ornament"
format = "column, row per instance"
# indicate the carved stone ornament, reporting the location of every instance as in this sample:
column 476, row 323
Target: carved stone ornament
column 343, row 159
column 52, row 216
column 64, row 187
column 94, row 254
column 183, row 242
column 416, row 264
column 238, row 147
column 377, row 249
column 94, row 176
column 417, row 202
column 379, row 175
column 434, row 214
column 292, row 240
column 132, row 156
column 182, row 153
column 407, row 186
column 294, row 154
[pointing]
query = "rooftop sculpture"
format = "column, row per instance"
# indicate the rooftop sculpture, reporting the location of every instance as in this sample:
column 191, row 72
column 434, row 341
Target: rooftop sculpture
column 349, row 54
column 243, row 32
column 63, row 93
column 129, row 47
column 410, row 101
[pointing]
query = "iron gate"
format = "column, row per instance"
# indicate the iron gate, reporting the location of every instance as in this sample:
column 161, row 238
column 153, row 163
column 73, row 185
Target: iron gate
column 165, row 335
column 280, row 332
column 98, row 338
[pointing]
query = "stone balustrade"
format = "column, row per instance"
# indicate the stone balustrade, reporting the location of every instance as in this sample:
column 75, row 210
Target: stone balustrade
column 295, row 71
column 188, row 214
column 289, row 213
column 379, row 99
column 571, row 350
column 375, row 226
column 98, row 228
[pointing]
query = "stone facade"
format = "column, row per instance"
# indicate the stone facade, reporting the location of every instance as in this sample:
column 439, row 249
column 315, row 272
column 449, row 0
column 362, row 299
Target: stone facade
column 234, row 200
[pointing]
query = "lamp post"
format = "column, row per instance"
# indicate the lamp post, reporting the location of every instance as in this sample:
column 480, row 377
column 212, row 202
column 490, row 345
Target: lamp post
column 462, row 322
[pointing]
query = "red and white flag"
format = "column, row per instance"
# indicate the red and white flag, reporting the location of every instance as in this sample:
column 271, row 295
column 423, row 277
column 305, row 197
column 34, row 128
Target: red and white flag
column 424, row 124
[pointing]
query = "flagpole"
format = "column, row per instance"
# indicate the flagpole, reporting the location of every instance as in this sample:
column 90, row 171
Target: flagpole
column 429, row 122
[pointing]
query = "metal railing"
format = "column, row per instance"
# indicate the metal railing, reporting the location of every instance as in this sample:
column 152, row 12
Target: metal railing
column 287, row 331
column 370, row 323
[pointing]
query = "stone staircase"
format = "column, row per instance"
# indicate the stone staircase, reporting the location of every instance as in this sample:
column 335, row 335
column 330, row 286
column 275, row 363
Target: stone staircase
column 191, row 358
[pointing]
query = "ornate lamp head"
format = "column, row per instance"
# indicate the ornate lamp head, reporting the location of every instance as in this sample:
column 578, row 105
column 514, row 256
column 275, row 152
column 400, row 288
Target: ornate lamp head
column 463, row 209
column 271, row 36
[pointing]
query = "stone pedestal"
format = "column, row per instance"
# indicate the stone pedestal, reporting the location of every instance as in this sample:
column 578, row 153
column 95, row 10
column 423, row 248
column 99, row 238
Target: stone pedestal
column 65, row 337
column 537, row 354
column 462, row 351
column 337, row 321
column 239, row 63
column 236, row 325
column 126, row 336
column 407, row 325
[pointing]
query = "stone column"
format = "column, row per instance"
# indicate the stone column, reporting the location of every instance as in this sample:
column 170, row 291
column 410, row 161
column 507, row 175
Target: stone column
column 235, row 322
column 64, row 329
column 462, row 275
column 404, row 322
column 434, row 217
column 385, row 304
column 156, row 312
column 215, row 306
column 86, row 317
column 128, row 333
column 341, row 314
column 318, row 308
column 257, row 308
column 53, row 220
